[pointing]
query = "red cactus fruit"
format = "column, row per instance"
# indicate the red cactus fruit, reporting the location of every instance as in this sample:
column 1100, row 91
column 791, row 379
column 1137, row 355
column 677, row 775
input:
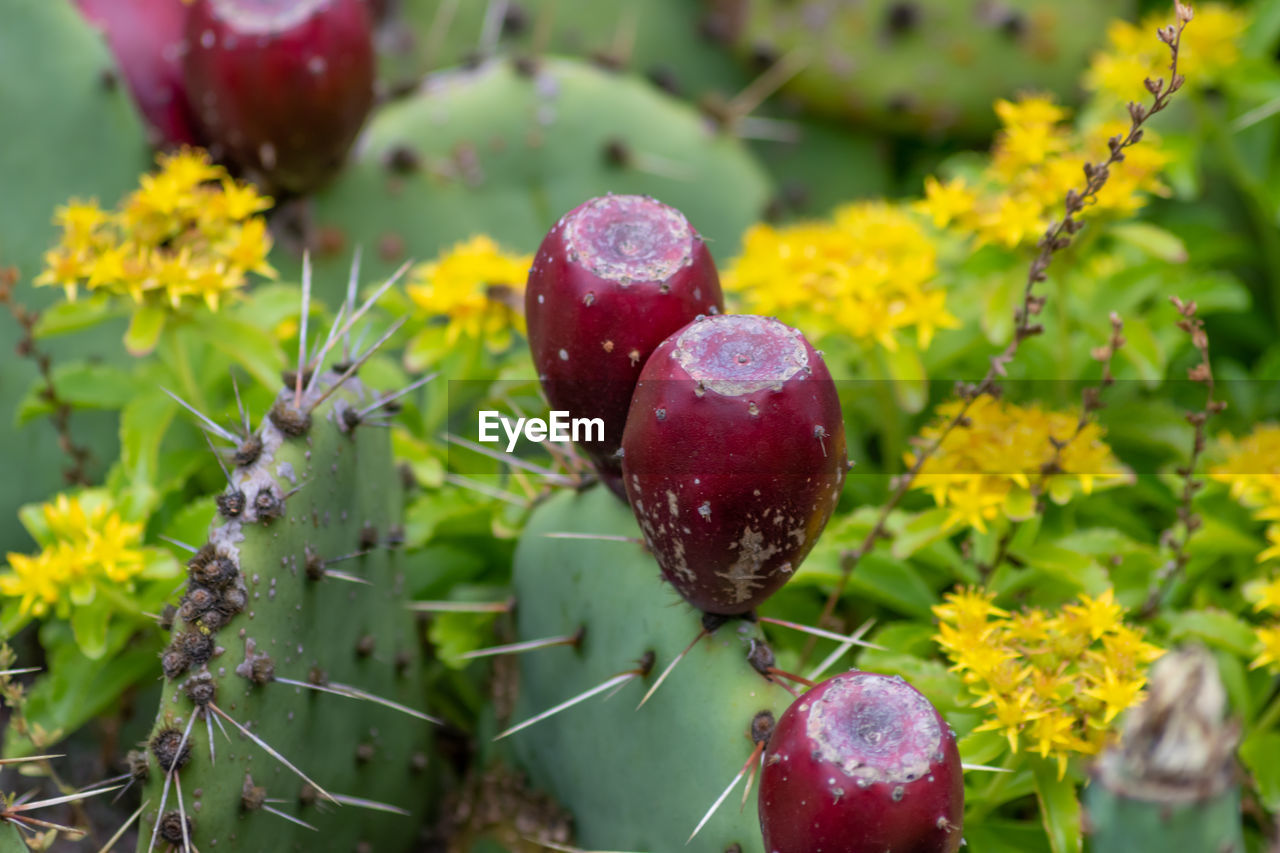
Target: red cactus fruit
column 733, row 457
column 282, row 86
column 613, row 278
column 862, row 763
column 147, row 39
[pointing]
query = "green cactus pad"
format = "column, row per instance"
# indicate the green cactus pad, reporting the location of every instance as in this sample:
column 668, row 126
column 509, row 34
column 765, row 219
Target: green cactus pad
column 359, row 635
column 924, row 65
column 634, row 779
column 499, row 152
column 80, row 136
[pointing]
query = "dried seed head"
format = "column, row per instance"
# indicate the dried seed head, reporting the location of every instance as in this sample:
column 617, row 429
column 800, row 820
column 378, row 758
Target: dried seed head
column 230, row 504
column 171, row 828
column 165, row 747
column 289, row 420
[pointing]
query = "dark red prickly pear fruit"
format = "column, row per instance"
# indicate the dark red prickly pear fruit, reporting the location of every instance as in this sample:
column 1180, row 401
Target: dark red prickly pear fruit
column 862, row 763
column 282, row 86
column 613, row 278
column 733, row 457
column 147, row 38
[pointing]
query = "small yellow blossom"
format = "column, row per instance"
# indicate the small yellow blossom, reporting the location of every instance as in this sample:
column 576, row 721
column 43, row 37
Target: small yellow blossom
column 1269, row 643
column 869, row 273
column 1054, row 682
column 1210, row 48
column 188, row 234
column 477, row 287
column 86, row 545
column 982, row 470
column 1037, row 157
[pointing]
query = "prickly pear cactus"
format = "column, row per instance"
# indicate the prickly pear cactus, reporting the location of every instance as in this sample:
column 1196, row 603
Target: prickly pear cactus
column 916, row 65
column 263, row 617
column 635, row 779
column 80, row 137
column 666, row 40
column 504, row 151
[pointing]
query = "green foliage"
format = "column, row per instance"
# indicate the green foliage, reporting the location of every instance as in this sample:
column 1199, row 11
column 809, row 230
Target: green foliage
column 497, row 151
column 615, row 766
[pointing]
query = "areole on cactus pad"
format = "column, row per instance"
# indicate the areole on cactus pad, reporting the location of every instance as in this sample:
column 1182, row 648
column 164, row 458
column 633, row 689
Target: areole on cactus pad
column 733, row 458
column 613, row 278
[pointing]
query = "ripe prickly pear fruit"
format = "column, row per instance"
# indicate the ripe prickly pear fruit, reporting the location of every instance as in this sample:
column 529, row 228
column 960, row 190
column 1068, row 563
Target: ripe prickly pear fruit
column 147, row 38
column 281, row 87
column 613, row 278
column 733, row 457
column 862, row 763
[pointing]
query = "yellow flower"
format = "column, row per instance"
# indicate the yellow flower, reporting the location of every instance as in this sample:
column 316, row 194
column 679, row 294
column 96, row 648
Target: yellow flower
column 866, row 273
column 88, row 543
column 1054, row 682
column 189, row 233
column 992, row 466
column 944, row 203
column 1269, row 640
column 477, row 287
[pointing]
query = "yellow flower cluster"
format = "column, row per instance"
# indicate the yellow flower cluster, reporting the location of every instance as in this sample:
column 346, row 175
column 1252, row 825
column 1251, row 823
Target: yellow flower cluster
column 1209, row 49
column 1037, row 157
column 478, row 287
column 88, row 545
column 1252, row 469
column 1054, row 682
column 867, row 273
column 189, row 232
column 992, row 466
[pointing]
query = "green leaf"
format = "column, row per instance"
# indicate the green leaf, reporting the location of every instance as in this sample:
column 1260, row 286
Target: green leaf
column 63, row 318
column 454, row 634
column 89, row 624
column 1155, row 241
column 75, row 688
column 982, row 747
column 1259, row 752
column 1059, row 807
column 80, row 384
column 143, row 424
column 252, row 347
column 924, row 529
column 144, row 329
column 1216, row 628
column 907, row 374
column 1005, row 836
